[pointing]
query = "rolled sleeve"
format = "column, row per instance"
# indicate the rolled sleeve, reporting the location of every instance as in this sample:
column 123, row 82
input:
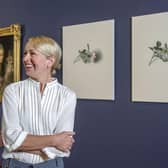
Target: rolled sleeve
column 11, row 143
column 52, row 152
column 12, row 133
column 65, row 122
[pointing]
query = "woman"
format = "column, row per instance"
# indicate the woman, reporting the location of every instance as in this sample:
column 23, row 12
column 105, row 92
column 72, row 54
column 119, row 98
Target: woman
column 2, row 56
column 8, row 72
column 6, row 69
column 38, row 113
column 8, row 77
column 2, row 66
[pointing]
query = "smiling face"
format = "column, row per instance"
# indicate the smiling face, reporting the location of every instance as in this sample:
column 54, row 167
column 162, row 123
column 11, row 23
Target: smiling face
column 36, row 64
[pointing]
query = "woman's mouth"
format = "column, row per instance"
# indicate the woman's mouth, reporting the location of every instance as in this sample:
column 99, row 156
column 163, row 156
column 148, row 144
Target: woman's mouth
column 28, row 66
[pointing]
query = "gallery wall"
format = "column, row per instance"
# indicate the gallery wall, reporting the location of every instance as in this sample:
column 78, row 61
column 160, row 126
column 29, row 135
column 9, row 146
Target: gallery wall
column 109, row 134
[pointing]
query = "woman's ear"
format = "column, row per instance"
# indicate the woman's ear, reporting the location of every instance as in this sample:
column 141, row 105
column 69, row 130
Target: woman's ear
column 50, row 62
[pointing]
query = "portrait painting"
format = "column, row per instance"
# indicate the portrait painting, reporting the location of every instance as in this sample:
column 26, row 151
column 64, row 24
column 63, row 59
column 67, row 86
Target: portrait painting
column 9, row 56
column 150, row 58
column 88, row 59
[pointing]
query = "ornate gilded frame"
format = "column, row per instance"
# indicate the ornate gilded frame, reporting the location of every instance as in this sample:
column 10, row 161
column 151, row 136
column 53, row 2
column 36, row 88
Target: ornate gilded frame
column 12, row 32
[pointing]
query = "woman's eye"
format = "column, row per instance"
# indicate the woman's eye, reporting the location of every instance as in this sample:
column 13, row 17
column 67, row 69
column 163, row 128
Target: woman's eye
column 25, row 53
column 32, row 53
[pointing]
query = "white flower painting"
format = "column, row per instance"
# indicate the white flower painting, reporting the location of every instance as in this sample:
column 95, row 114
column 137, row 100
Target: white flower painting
column 150, row 58
column 88, row 59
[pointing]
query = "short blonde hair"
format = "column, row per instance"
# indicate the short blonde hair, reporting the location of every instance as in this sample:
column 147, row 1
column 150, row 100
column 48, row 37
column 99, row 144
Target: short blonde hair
column 49, row 47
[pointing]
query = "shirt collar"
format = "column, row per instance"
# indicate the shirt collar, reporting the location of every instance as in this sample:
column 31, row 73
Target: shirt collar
column 37, row 83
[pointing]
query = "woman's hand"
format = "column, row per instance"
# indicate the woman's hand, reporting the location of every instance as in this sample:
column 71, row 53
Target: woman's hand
column 64, row 140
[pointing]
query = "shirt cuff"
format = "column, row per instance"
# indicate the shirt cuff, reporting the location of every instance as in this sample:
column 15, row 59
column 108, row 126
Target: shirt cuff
column 17, row 143
column 52, row 152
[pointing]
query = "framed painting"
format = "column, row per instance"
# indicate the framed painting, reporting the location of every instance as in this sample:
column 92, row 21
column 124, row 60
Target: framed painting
column 88, row 59
column 9, row 55
column 150, row 58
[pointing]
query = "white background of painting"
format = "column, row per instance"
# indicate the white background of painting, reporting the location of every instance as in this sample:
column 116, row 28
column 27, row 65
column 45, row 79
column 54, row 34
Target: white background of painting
column 149, row 83
column 90, row 81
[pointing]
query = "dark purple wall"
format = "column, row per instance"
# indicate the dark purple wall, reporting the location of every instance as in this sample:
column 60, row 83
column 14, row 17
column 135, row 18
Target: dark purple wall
column 108, row 133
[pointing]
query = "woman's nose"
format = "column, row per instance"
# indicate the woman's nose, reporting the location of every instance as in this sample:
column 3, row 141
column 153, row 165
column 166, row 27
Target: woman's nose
column 26, row 57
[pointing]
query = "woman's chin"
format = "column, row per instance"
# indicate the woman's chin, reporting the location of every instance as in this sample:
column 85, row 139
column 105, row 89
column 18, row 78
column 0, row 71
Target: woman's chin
column 28, row 73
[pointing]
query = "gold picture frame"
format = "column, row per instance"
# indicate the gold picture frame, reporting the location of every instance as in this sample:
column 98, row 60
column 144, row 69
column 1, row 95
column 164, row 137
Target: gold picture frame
column 10, row 42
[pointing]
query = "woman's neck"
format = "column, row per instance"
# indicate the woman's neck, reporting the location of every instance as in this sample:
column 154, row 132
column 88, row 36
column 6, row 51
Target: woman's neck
column 43, row 81
column 42, row 87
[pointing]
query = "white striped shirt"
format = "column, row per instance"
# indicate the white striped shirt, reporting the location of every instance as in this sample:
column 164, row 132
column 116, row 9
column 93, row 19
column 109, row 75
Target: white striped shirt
column 26, row 111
